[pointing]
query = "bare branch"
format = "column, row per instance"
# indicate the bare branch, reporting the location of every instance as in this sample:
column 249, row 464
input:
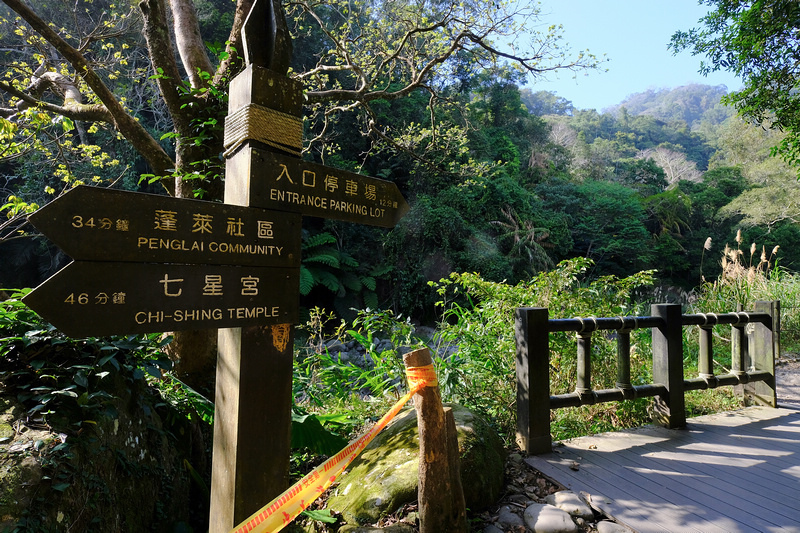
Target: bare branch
column 72, row 108
column 162, row 56
column 144, row 143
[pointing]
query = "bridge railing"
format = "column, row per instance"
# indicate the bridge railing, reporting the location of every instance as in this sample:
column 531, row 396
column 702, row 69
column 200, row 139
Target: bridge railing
column 754, row 338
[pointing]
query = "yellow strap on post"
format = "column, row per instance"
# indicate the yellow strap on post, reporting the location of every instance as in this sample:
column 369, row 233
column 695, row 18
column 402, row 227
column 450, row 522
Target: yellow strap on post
column 282, row 510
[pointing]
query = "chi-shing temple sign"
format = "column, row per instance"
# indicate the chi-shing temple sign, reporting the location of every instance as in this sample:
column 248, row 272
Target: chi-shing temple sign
column 147, row 263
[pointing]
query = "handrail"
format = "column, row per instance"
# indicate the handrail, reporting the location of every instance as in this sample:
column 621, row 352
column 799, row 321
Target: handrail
column 755, row 336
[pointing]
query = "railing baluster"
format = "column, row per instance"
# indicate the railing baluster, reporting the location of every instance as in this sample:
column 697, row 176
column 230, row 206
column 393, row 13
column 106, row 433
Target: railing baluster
column 624, row 360
column 705, row 361
column 584, row 381
column 738, row 349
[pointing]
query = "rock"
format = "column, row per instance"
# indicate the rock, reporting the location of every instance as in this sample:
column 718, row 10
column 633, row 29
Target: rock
column 545, row 518
column 400, row 527
column 335, row 346
column 607, row 526
column 509, row 518
column 385, row 475
column 491, row 528
column 21, row 476
column 568, row 501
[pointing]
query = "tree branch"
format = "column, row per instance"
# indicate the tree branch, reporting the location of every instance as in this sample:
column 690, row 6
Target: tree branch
column 190, row 43
column 72, row 109
column 162, row 56
column 232, row 64
column 144, row 143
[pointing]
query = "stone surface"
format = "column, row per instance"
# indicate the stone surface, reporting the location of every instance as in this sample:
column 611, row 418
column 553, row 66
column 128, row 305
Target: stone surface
column 127, row 466
column 491, row 528
column 607, row 526
column 568, row 501
column 384, row 476
column 394, row 528
column 545, row 518
column 507, row 517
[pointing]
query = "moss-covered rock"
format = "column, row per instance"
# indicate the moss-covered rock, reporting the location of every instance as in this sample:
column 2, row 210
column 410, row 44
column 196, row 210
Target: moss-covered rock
column 124, row 470
column 384, row 477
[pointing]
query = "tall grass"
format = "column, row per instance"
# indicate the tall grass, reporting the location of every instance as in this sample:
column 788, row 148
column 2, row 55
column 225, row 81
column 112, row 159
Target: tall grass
column 749, row 276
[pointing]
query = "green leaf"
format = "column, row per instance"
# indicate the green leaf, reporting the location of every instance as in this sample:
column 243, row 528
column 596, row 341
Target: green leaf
column 308, row 432
column 61, row 487
column 321, row 516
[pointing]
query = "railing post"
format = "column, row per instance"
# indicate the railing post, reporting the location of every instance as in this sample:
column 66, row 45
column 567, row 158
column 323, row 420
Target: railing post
column 762, row 357
column 533, row 379
column 670, row 410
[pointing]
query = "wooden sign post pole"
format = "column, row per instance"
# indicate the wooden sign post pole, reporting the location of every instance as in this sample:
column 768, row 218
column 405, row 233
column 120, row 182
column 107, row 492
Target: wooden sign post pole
column 263, row 138
column 253, row 399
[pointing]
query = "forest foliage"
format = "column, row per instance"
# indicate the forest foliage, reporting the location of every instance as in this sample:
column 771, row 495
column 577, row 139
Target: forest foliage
column 503, row 179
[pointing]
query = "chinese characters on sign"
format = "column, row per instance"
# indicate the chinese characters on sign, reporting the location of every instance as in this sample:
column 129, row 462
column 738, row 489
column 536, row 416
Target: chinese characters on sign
column 94, row 298
column 287, row 184
column 100, row 224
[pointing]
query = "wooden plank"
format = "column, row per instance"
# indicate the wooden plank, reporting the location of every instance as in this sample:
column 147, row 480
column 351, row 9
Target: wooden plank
column 677, row 488
column 702, row 477
column 97, row 298
column 718, row 489
column 636, row 507
column 719, row 475
column 98, row 224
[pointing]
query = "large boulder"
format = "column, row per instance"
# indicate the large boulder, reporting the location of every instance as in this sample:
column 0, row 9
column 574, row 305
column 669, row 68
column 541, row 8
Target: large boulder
column 125, row 470
column 384, row 477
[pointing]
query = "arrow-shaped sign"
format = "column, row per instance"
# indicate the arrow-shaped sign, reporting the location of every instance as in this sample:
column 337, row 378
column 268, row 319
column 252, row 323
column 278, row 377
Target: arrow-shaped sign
column 101, row 298
column 97, row 224
column 288, row 184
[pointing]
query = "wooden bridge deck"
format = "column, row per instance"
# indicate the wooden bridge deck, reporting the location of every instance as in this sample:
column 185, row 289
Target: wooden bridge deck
column 725, row 473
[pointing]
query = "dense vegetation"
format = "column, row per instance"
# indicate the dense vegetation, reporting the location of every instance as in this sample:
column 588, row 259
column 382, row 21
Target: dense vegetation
column 517, row 198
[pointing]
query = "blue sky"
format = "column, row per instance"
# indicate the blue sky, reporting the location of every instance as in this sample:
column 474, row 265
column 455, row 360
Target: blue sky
column 634, row 35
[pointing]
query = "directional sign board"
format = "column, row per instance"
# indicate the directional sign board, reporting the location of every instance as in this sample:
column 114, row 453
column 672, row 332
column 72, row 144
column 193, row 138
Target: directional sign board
column 102, row 298
column 284, row 183
column 97, row 224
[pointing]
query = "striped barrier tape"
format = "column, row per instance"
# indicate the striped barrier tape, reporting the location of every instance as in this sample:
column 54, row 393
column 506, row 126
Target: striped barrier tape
column 282, row 510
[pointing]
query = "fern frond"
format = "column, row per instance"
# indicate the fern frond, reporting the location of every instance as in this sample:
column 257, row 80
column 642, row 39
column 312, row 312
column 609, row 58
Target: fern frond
column 319, row 239
column 325, row 257
column 371, row 300
column 307, row 281
column 329, row 280
column 369, row 282
column 351, row 281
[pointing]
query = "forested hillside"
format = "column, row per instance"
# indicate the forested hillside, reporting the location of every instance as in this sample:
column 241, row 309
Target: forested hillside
column 502, row 179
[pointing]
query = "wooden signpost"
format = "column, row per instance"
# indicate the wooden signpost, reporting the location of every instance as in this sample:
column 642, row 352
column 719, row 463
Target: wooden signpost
column 147, row 263
column 263, row 138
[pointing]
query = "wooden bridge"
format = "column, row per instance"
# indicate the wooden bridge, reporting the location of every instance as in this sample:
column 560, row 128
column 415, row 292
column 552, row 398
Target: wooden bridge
column 732, row 472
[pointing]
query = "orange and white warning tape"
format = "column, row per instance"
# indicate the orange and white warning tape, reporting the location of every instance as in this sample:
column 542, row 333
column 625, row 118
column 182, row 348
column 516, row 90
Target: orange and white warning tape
column 282, row 510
